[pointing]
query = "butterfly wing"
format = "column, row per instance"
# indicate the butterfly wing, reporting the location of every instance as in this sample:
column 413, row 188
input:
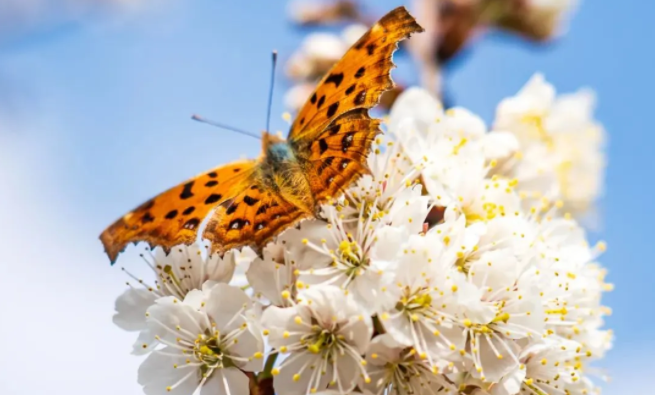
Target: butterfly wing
column 333, row 131
column 251, row 218
column 174, row 216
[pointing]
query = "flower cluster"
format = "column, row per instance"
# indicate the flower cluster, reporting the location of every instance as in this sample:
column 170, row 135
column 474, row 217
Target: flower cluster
column 433, row 274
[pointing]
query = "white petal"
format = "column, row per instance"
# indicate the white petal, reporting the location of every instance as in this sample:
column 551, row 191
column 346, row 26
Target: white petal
column 415, row 103
column 168, row 313
column 277, row 320
column 221, row 269
column 157, row 373
column 358, row 334
column 269, row 277
column 510, row 384
column 230, row 381
column 389, row 241
column 250, row 342
column 348, row 371
column 145, row 343
column 386, row 348
column 495, row 368
column 131, row 309
column 224, row 303
column 284, row 382
column 499, row 145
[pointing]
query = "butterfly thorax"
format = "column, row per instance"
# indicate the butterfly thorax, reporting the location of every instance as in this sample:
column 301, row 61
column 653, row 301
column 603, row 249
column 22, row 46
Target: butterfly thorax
column 281, row 171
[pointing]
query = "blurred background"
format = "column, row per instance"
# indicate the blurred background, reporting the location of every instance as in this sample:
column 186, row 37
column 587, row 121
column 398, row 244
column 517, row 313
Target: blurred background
column 95, row 99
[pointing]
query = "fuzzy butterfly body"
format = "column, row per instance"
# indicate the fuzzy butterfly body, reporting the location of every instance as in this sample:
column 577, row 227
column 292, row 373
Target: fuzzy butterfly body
column 250, row 202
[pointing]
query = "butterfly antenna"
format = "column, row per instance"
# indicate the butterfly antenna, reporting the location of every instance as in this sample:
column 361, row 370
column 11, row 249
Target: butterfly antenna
column 270, row 92
column 222, row 126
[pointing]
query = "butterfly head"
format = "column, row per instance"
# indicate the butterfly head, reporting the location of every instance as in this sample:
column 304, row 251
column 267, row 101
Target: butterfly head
column 275, row 147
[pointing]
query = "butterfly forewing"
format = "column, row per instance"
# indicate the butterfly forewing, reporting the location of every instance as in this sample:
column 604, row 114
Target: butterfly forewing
column 333, row 131
column 174, row 216
column 359, row 78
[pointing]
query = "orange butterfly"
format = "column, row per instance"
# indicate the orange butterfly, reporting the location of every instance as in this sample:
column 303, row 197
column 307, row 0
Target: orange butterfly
column 254, row 200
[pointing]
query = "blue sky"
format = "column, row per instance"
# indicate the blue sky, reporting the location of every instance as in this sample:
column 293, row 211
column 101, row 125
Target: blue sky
column 94, row 119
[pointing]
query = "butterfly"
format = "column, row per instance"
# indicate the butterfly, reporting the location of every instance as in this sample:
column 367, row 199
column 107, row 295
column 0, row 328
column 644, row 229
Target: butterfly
column 251, row 201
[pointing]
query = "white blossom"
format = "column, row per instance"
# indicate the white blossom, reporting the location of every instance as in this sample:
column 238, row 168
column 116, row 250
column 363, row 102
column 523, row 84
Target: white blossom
column 324, row 334
column 398, row 369
column 208, row 341
column 177, row 273
column 561, row 145
column 424, row 313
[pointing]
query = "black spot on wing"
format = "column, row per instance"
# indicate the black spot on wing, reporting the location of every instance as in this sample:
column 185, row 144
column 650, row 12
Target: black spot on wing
column 188, row 210
column 350, row 89
column 171, row 214
column 320, row 102
column 187, row 190
column 360, row 72
column 360, row 98
column 334, row 130
column 334, row 78
column 192, row 223
column 211, row 183
column 232, row 208
column 322, row 145
column 332, row 109
column 250, row 201
column 147, row 217
column 213, row 198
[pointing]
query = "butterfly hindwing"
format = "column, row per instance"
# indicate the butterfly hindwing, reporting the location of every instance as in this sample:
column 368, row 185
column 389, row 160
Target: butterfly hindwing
column 359, row 78
column 338, row 155
column 174, row 216
column 251, row 218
